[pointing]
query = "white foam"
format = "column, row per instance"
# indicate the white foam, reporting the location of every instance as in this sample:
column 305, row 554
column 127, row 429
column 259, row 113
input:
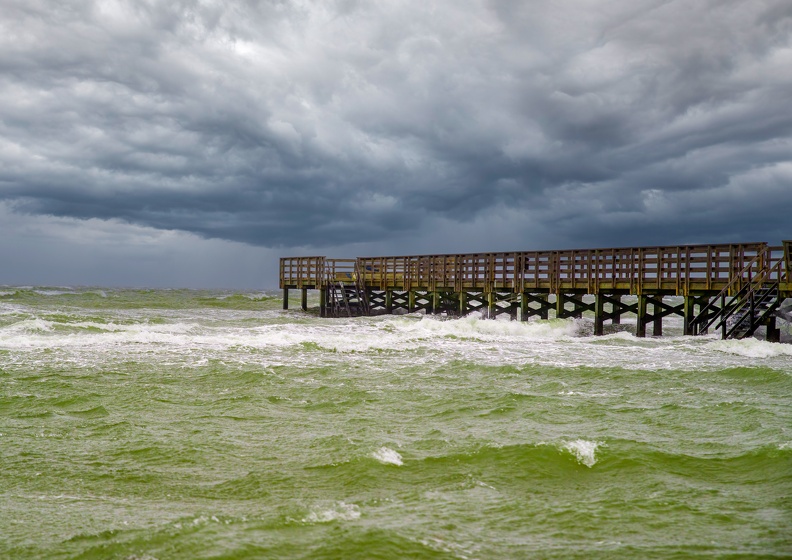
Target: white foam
column 55, row 292
column 339, row 511
column 388, row 456
column 473, row 326
column 583, row 450
column 752, row 348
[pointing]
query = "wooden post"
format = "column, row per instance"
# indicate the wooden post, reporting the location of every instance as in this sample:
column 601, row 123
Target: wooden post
column 411, row 301
column 773, row 332
column 523, row 307
column 559, row 305
column 323, row 302
column 616, row 311
column 491, row 304
column 435, row 302
column 723, row 321
column 285, row 298
column 689, row 309
column 658, row 316
column 462, row 304
column 544, row 313
column 640, row 330
column 304, row 299
column 389, row 301
column 599, row 312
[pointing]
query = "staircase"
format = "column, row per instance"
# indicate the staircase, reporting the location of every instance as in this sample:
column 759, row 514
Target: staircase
column 756, row 303
column 756, row 308
column 345, row 294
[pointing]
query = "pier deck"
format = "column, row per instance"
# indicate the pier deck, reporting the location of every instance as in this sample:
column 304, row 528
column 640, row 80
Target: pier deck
column 721, row 284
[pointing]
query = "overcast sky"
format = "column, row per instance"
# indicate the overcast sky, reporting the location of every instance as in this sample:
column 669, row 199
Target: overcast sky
column 193, row 142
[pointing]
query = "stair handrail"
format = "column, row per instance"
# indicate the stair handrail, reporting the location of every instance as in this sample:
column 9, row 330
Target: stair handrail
column 755, row 303
column 360, row 286
column 704, row 313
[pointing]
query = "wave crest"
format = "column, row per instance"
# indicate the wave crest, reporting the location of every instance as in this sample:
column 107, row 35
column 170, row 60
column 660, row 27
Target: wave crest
column 388, row 456
column 339, row 511
column 583, row 450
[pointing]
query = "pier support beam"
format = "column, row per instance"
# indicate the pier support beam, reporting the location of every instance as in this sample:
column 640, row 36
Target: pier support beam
column 388, row 301
column 599, row 314
column 285, row 298
column 688, row 314
column 773, row 332
column 411, row 301
column 527, row 310
column 640, row 330
column 304, row 299
column 462, row 304
column 578, row 306
column 694, row 324
column 617, row 308
column 660, row 309
column 323, row 302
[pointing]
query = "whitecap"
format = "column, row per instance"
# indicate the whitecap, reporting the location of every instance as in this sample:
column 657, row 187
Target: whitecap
column 54, row 292
column 583, row 450
column 388, row 456
column 752, row 348
column 473, row 326
column 339, row 511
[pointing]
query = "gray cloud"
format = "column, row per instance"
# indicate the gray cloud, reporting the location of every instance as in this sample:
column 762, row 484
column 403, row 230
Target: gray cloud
column 297, row 124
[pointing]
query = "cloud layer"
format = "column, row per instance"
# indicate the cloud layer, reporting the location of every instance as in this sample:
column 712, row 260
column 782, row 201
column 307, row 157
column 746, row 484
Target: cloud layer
column 323, row 124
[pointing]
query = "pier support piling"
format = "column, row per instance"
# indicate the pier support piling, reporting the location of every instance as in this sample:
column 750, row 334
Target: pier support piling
column 599, row 314
column 773, row 332
column 578, row 306
column 462, row 304
column 527, row 310
column 640, row 329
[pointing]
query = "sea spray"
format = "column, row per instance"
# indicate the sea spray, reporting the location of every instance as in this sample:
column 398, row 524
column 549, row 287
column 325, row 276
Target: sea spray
column 583, row 450
column 388, row 456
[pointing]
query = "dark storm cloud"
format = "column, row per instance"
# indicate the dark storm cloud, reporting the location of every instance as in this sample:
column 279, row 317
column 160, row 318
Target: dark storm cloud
column 299, row 123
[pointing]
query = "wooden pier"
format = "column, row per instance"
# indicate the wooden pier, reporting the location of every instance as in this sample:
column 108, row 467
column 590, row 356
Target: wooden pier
column 731, row 288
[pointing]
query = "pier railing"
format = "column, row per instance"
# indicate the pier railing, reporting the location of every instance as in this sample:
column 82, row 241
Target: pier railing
column 674, row 269
column 677, row 269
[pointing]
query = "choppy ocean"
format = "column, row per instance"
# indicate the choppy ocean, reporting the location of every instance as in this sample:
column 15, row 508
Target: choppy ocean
column 176, row 424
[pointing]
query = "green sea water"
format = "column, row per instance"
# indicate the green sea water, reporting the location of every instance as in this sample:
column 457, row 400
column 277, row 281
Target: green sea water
column 169, row 424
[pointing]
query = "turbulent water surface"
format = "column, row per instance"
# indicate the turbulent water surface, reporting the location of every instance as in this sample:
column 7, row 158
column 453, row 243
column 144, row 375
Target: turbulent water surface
column 182, row 424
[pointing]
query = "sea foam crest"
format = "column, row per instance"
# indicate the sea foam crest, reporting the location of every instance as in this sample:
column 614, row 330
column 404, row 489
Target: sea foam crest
column 752, row 348
column 339, row 511
column 474, row 326
column 583, row 450
column 388, row 456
